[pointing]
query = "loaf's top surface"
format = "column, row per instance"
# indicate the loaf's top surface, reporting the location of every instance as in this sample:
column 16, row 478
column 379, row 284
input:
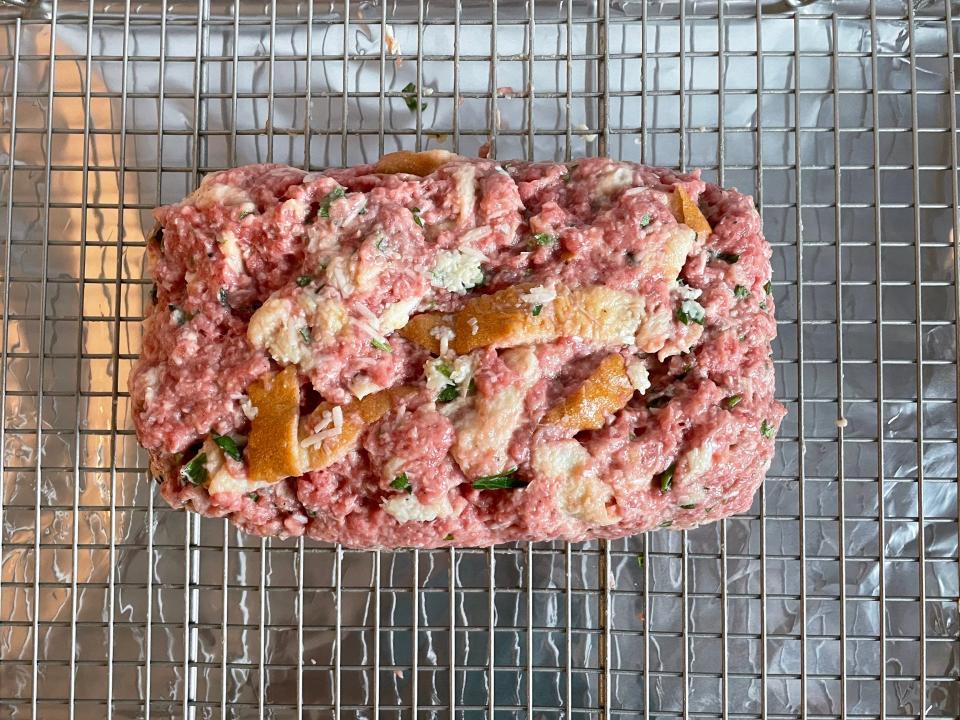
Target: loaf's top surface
column 442, row 350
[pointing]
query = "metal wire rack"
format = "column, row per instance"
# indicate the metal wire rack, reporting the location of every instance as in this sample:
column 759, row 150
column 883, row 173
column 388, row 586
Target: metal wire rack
column 836, row 596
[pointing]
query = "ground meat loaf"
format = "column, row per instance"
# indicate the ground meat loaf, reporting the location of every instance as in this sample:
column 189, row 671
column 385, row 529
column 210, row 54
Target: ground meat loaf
column 437, row 350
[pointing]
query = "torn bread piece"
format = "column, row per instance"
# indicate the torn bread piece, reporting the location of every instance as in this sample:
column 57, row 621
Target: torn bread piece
column 686, row 211
column 273, row 447
column 414, row 163
column 506, row 319
column 484, row 432
column 604, row 392
column 324, row 439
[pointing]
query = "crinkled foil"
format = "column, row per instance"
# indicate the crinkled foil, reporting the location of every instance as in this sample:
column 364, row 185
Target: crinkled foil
column 837, row 592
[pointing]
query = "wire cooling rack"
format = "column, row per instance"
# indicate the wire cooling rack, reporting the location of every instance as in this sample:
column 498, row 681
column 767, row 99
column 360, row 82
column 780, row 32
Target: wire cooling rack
column 835, row 596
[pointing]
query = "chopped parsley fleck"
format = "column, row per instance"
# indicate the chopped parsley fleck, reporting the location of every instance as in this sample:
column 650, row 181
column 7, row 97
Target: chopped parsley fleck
column 544, row 239
column 448, row 394
column 224, row 297
column 768, row 288
column 665, row 479
column 472, row 387
column 763, row 304
column 335, row 194
column 305, row 334
column 254, row 496
column 641, row 560
column 501, row 481
column 444, row 369
column 416, row 216
column 244, row 213
column 766, row 429
column 732, row 401
column 506, row 166
column 310, row 513
column 730, row 258
column 688, row 506
column 381, row 244
column 381, row 345
column 304, row 280
column 448, row 537
column 740, row 291
column 537, row 309
column 645, row 219
column 195, row 471
column 409, row 93
column 691, row 311
column 179, row 315
column 666, row 524
column 229, row 446
column 658, row 402
column 401, row 482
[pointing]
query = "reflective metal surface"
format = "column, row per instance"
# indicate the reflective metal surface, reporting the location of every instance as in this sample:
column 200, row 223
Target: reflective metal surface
column 836, row 596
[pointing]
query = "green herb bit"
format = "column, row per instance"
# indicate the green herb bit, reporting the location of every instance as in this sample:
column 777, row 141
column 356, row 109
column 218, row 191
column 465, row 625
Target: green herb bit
column 645, row 220
column 448, row 537
column 416, row 216
column 763, row 304
column 444, row 369
column 503, row 481
column 641, row 561
column 229, row 446
column 254, row 496
column 690, row 311
column 688, row 506
column 537, row 309
column 740, row 291
column 732, row 401
column 381, row 345
column 304, row 280
column 409, row 93
column 448, row 394
column 244, row 213
column 768, row 288
column 472, row 387
column 727, row 257
column 224, row 297
column 658, row 402
column 401, row 482
column 666, row 478
column 544, row 239
column 305, row 334
column 666, row 524
column 766, row 429
column 195, row 471
column 335, row 194
column 381, row 244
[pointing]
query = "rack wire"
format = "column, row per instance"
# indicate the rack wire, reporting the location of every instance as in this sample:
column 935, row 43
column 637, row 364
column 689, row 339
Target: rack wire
column 837, row 595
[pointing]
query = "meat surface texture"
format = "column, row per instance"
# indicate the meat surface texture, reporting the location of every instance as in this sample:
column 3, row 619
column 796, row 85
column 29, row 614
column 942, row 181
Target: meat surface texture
column 438, row 350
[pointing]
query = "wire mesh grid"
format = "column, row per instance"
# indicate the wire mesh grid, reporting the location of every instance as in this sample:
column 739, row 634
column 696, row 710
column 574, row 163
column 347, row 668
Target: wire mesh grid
column 835, row 596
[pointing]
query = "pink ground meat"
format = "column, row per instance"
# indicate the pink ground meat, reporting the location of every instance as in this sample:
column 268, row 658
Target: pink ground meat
column 691, row 448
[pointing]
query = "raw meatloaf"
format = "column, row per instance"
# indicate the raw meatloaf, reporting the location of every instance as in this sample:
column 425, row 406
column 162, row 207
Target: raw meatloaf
column 436, row 350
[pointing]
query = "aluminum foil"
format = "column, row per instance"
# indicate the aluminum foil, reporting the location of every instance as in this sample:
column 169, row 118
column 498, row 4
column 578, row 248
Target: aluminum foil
column 838, row 592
